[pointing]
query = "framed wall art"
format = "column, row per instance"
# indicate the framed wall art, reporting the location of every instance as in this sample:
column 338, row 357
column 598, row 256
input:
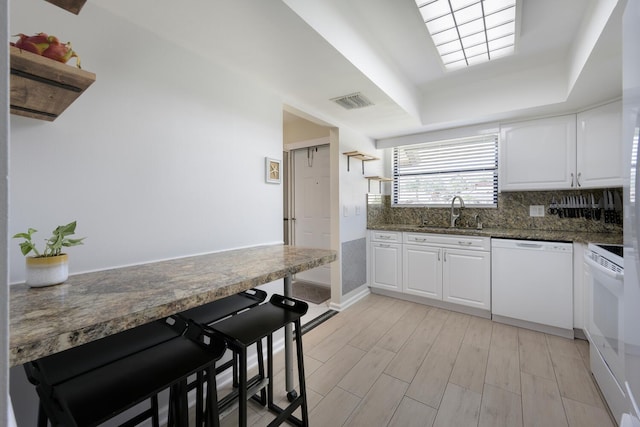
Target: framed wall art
column 272, row 170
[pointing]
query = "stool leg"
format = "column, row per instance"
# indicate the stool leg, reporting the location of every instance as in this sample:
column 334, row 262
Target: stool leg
column 242, row 395
column 199, row 398
column 301, row 378
column 212, row 414
column 42, row 417
column 270, row 371
column 178, row 406
column 263, row 392
column 155, row 419
column 235, row 370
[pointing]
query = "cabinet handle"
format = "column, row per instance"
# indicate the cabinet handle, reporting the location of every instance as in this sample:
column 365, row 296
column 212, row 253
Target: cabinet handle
column 578, row 180
column 384, row 245
column 420, row 240
column 445, row 256
column 462, row 243
column 388, row 237
column 439, row 254
column 571, row 179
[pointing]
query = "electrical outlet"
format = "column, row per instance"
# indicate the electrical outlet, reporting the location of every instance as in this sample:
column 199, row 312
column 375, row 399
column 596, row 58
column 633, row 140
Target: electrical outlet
column 357, row 210
column 536, row 210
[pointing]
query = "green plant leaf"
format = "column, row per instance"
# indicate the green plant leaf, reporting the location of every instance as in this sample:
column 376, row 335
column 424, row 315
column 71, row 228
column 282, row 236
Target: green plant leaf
column 72, row 242
column 25, row 247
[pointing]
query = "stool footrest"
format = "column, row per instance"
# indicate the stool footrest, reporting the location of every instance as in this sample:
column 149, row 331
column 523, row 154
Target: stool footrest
column 230, row 402
column 286, row 414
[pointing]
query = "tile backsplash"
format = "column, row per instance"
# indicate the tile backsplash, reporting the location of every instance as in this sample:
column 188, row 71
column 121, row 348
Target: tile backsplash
column 512, row 212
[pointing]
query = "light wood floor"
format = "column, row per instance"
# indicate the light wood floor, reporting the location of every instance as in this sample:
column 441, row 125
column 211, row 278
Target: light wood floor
column 387, row 362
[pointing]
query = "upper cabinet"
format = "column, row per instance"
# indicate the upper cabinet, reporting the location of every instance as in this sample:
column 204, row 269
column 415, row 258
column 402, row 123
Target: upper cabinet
column 563, row 152
column 599, row 146
column 538, row 154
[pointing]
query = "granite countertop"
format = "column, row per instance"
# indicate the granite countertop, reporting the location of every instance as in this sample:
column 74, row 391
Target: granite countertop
column 510, row 233
column 94, row 305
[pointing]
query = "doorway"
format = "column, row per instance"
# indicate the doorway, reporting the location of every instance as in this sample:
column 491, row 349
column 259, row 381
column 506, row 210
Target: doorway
column 307, row 219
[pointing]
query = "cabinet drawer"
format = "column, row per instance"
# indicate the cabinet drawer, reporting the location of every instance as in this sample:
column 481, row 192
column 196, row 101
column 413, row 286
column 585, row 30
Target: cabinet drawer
column 449, row 241
column 420, row 238
column 386, row 236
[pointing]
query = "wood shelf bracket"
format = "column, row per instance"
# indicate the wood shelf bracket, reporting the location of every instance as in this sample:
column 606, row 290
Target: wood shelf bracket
column 380, row 180
column 360, row 156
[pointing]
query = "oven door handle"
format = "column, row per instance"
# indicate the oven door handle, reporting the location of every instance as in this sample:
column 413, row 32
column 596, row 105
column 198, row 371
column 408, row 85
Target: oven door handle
column 612, row 274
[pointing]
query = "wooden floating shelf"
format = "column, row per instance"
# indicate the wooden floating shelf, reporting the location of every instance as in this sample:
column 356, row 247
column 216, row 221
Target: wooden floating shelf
column 380, row 180
column 73, row 6
column 42, row 88
column 360, row 156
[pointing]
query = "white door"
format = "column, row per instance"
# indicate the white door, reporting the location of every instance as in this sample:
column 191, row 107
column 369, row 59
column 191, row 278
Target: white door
column 386, row 264
column 599, row 149
column 422, row 273
column 538, row 154
column 312, row 224
column 467, row 278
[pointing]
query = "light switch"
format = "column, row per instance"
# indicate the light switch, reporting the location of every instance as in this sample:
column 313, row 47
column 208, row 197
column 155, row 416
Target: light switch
column 357, row 210
column 345, row 210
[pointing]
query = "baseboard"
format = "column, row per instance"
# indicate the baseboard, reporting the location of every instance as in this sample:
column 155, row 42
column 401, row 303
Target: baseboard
column 434, row 303
column 353, row 298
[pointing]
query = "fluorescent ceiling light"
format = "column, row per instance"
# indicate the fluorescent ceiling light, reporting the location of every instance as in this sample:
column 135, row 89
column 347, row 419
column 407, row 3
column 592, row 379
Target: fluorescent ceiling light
column 468, row 32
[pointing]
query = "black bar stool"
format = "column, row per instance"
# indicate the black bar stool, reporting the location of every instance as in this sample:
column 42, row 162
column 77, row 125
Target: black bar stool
column 252, row 326
column 210, row 313
column 89, row 384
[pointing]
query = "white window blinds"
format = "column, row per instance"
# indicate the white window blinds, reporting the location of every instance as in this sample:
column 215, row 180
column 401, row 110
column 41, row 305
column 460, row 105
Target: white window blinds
column 434, row 172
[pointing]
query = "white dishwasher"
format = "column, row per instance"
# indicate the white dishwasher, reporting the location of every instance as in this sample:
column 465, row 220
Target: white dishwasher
column 532, row 284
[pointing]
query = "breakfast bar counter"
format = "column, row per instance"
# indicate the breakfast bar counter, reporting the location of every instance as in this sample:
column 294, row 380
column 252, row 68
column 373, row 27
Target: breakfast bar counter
column 93, row 305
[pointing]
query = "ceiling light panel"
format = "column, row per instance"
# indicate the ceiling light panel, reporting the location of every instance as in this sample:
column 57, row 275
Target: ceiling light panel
column 468, row 32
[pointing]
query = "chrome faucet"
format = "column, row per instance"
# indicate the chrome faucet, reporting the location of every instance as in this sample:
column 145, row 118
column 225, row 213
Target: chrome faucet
column 454, row 216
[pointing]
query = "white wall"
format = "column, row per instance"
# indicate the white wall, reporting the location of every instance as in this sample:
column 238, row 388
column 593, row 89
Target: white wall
column 353, row 185
column 162, row 156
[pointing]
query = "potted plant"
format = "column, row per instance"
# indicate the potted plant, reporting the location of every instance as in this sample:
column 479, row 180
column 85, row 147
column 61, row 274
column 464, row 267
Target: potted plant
column 50, row 267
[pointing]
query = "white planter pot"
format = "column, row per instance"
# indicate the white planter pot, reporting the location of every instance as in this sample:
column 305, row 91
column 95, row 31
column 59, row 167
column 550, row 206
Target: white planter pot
column 46, row 271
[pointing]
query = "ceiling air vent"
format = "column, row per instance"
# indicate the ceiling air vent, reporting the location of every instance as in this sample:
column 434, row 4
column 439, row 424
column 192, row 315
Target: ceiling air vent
column 352, row 101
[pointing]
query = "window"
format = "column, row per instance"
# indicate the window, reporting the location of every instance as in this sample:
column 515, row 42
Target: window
column 432, row 173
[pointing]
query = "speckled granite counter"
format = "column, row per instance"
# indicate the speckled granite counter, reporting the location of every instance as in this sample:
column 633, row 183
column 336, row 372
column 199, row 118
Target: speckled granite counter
column 94, row 305
column 511, row 233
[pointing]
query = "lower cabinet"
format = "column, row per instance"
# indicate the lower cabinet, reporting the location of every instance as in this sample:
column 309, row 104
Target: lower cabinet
column 422, row 271
column 451, row 268
column 386, row 261
column 466, row 277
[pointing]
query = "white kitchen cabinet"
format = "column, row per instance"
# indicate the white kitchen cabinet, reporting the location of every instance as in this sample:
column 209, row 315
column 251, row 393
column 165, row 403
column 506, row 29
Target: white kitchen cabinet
column 466, row 277
column 422, row 271
column 599, row 146
column 386, row 260
column 538, row 154
column 563, row 152
column 450, row 268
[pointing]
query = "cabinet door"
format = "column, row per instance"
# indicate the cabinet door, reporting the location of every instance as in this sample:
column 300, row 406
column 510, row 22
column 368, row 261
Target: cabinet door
column 467, row 278
column 538, row 154
column 422, row 271
column 599, row 149
column 386, row 266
